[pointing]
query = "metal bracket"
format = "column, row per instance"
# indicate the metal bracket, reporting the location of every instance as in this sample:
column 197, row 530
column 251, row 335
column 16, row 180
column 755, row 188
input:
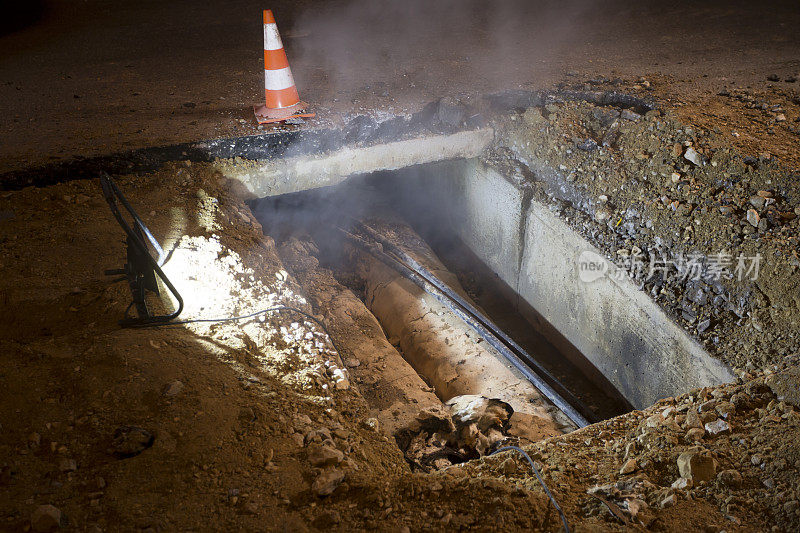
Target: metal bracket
column 141, row 268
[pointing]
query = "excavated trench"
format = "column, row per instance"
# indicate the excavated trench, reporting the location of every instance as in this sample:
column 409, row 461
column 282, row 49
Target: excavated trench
column 433, row 381
column 469, row 312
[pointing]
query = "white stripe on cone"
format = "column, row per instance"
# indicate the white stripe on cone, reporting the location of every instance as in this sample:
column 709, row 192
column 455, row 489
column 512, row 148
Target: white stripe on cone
column 272, row 39
column 277, row 80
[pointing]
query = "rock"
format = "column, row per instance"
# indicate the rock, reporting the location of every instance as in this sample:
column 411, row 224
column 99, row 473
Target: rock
column 610, row 136
column 373, row 424
column 299, row 439
column 450, row 112
column 753, row 217
column 693, row 156
column 682, row 483
column 327, row 482
column 340, row 379
column 627, row 114
column 730, row 478
column 302, row 420
column 692, row 419
column 485, row 412
column 780, row 117
column 773, row 77
column 34, row 440
column 726, row 409
column 696, row 294
column 707, row 417
column 324, row 455
column 710, row 405
column 319, row 435
column 697, row 465
column 685, row 209
column 786, row 385
column 695, row 434
column 601, row 215
column 636, row 506
column 130, row 441
column 247, row 415
column 628, row 467
column 717, row 427
column 173, row 389
column 509, row 467
column 587, row 145
column 669, row 501
column 45, row 518
column 758, row 202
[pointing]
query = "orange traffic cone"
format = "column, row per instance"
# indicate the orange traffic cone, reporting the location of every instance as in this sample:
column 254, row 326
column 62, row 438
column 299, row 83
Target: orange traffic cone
column 282, row 101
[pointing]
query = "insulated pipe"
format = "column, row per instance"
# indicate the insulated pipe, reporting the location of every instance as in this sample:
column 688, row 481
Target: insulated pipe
column 395, row 393
column 450, row 299
column 437, row 343
column 550, row 386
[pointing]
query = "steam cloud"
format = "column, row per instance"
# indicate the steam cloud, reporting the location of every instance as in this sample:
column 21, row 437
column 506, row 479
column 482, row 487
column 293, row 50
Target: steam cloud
column 439, row 47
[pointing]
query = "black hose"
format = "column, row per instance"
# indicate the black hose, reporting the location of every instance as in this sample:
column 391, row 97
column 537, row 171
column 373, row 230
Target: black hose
column 445, row 297
column 541, row 481
column 478, row 315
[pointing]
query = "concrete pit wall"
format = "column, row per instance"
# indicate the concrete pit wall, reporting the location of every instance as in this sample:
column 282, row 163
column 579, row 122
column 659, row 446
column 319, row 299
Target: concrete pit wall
column 282, row 175
column 624, row 334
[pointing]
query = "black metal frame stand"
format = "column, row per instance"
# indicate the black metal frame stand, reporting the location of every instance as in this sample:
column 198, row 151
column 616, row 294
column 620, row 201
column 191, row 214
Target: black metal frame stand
column 141, row 268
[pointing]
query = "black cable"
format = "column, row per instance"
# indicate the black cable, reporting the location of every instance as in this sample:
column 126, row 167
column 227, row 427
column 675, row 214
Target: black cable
column 251, row 315
column 539, row 476
column 450, row 299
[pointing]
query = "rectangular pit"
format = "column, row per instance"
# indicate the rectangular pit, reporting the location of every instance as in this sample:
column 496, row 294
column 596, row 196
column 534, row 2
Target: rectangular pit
column 614, row 332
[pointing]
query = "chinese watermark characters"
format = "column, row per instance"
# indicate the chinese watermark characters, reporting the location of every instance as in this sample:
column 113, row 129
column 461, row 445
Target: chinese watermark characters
column 680, row 268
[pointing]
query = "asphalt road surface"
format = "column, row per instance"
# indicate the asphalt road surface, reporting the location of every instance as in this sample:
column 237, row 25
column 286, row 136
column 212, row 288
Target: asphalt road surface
column 95, row 77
